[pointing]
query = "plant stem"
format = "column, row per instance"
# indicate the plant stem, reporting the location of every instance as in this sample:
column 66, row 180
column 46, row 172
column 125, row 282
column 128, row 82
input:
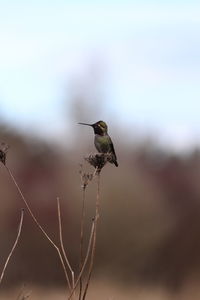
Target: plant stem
column 61, row 242
column 82, row 238
column 14, row 245
column 85, row 260
column 39, row 226
column 94, row 238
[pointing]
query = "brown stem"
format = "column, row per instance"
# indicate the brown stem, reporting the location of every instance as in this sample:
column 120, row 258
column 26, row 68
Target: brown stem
column 61, row 242
column 39, row 226
column 86, row 259
column 81, row 239
column 14, row 245
column 95, row 237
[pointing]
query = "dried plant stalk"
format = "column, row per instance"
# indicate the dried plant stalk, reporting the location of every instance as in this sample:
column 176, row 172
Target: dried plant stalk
column 14, row 245
column 82, row 238
column 85, row 260
column 94, row 238
column 39, row 226
column 86, row 178
column 62, row 244
column 98, row 161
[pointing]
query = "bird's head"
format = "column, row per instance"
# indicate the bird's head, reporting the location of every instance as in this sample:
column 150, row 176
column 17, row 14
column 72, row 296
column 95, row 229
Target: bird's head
column 99, row 127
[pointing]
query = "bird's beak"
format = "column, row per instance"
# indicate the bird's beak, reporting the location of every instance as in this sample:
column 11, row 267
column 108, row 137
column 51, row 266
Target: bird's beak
column 85, row 124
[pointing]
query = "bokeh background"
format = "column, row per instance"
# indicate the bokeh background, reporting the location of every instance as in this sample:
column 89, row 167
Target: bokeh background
column 135, row 65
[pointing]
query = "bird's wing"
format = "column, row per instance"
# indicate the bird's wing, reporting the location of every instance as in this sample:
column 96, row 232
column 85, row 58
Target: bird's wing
column 112, row 148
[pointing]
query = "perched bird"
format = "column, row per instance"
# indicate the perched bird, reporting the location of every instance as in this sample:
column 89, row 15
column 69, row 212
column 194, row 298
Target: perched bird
column 102, row 140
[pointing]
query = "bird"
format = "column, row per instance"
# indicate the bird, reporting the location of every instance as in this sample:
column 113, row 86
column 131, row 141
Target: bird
column 102, row 140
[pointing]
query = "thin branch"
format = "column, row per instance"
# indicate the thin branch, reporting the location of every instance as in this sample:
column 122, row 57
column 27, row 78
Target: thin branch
column 82, row 238
column 14, row 245
column 61, row 242
column 39, row 226
column 86, row 259
column 95, row 237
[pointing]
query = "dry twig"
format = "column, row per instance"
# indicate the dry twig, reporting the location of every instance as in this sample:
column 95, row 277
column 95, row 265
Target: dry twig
column 85, row 260
column 86, row 178
column 94, row 238
column 14, row 245
column 39, row 226
column 82, row 238
column 98, row 161
column 62, row 244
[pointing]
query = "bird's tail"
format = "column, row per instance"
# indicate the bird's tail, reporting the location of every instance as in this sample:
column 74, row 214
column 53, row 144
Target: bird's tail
column 116, row 163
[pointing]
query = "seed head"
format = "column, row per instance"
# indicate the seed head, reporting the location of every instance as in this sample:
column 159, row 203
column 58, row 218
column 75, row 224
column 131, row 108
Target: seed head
column 99, row 160
column 3, row 152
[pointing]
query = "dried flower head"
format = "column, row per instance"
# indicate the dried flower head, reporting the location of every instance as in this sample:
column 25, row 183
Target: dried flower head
column 99, row 160
column 86, row 178
column 3, row 151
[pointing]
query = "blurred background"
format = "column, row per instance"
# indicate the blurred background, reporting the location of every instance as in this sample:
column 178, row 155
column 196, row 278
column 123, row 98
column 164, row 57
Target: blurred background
column 135, row 65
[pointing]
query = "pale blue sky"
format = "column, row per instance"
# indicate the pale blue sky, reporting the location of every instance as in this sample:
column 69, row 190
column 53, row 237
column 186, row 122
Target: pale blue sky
column 149, row 52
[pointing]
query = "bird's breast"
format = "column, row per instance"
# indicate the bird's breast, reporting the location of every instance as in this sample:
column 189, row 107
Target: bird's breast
column 102, row 143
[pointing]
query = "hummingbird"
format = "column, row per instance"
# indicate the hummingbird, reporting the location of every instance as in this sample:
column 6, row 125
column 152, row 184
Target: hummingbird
column 102, row 140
